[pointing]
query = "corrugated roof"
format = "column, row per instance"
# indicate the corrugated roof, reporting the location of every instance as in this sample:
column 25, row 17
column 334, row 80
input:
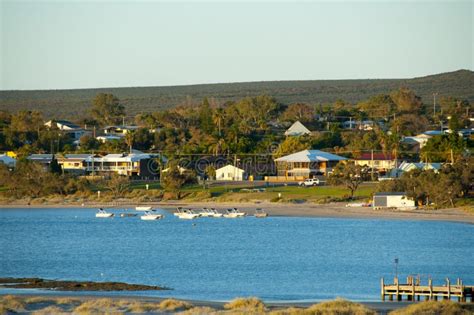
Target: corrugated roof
column 310, row 156
column 391, row 193
column 297, row 129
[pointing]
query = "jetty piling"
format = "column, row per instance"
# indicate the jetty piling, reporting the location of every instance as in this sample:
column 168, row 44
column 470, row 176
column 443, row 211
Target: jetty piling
column 413, row 290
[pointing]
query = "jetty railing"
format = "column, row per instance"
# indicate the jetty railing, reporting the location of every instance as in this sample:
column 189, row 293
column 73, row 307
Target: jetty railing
column 414, row 290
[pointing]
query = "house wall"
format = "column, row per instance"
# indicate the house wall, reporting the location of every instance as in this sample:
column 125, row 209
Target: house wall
column 393, row 201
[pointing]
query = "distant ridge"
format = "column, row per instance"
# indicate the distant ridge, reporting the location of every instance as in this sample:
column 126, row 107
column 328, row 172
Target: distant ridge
column 72, row 104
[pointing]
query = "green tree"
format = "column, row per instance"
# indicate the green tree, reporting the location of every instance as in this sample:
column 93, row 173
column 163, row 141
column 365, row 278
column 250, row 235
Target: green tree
column 107, row 110
column 407, row 101
column 172, row 179
column 298, row 111
column 293, row 145
column 443, row 148
column 118, row 185
column 349, row 175
column 378, row 106
column 54, row 166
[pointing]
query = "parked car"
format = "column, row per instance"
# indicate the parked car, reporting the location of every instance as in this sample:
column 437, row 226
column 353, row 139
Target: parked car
column 309, row 182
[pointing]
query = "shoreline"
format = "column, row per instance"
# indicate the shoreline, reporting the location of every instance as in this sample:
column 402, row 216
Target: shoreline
column 332, row 210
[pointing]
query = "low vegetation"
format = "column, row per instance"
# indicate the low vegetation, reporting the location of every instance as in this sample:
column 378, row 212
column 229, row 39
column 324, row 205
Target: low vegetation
column 50, row 305
column 434, row 307
column 247, row 305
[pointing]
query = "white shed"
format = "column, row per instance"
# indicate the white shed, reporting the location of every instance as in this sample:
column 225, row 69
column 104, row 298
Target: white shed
column 230, row 172
column 397, row 200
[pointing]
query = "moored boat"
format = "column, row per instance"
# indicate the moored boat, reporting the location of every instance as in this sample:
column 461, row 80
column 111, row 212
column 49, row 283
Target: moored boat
column 151, row 215
column 103, row 214
column 234, row 213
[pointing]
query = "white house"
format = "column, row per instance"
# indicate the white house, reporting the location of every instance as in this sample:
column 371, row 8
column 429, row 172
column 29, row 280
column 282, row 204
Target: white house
column 408, row 166
column 8, row 161
column 230, row 172
column 307, row 163
column 297, row 129
column 397, row 200
column 134, row 164
column 67, row 127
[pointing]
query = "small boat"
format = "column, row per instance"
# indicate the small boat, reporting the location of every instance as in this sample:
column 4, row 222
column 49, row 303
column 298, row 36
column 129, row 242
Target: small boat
column 178, row 212
column 260, row 213
column 188, row 214
column 216, row 214
column 211, row 213
column 143, row 208
column 151, row 215
column 103, row 214
column 234, row 213
column 126, row 215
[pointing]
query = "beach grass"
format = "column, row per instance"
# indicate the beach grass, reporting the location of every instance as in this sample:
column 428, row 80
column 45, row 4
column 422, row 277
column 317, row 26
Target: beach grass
column 11, row 303
column 199, row 310
column 434, row 307
column 174, row 305
column 339, row 307
column 251, row 305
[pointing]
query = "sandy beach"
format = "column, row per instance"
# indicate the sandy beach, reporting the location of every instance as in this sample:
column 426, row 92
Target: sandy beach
column 332, row 210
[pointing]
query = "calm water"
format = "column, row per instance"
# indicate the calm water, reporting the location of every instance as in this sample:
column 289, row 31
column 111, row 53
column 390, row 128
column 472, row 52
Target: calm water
column 276, row 258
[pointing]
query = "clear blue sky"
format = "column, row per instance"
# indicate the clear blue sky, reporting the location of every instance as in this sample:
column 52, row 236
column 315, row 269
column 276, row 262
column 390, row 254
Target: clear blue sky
column 72, row 44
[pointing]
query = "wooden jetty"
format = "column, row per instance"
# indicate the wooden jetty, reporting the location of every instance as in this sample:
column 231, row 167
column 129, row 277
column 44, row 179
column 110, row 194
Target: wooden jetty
column 414, row 290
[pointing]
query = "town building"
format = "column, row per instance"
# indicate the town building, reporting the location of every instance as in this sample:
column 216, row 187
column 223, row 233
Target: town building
column 74, row 131
column 133, row 165
column 379, row 162
column 43, row 159
column 119, row 130
column 74, row 163
column 307, row 163
column 409, row 166
column 297, row 129
column 230, row 172
column 398, row 200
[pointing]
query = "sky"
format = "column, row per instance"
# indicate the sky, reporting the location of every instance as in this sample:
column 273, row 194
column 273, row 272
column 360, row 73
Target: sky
column 90, row 44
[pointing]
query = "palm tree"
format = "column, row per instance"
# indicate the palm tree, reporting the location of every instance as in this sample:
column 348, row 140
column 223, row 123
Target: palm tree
column 217, row 117
column 129, row 138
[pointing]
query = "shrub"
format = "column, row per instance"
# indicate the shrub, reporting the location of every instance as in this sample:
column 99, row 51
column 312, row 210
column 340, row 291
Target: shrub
column 432, row 307
column 340, row 307
column 290, row 311
column 173, row 305
column 12, row 303
column 251, row 304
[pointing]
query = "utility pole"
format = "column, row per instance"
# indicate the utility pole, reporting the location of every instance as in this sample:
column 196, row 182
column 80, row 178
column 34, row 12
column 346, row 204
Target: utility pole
column 372, row 164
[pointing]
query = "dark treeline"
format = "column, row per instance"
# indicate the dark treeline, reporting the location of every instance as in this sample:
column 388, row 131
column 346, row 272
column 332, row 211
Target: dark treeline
column 70, row 104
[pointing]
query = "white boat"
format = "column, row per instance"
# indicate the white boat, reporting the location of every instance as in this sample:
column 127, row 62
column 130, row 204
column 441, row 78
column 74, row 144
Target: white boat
column 216, row 214
column 151, row 215
column 234, row 213
column 211, row 213
column 143, row 208
column 188, row 214
column 103, row 214
column 178, row 212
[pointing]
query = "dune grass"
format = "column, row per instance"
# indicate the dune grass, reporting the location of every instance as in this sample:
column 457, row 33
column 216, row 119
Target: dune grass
column 339, row 307
column 251, row 304
column 11, row 303
column 435, row 308
column 199, row 310
column 174, row 305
